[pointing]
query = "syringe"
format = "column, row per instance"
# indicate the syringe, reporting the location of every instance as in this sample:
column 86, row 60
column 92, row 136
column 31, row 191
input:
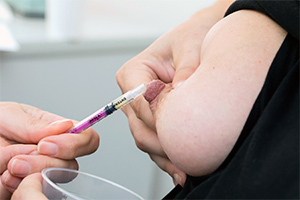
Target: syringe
column 109, row 109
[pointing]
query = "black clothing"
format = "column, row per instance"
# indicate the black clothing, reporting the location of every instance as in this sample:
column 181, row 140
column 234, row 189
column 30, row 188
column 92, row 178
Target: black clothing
column 264, row 163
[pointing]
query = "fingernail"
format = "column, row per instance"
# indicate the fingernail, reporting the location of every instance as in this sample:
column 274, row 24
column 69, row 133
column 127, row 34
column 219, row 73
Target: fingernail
column 176, row 179
column 47, row 148
column 59, row 122
column 5, row 177
column 11, row 183
column 20, row 167
column 7, row 180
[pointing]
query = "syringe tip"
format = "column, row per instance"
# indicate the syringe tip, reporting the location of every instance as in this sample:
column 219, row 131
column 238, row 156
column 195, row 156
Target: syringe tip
column 141, row 89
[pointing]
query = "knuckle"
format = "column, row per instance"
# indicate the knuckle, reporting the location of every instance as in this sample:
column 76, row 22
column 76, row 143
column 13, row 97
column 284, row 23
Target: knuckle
column 32, row 121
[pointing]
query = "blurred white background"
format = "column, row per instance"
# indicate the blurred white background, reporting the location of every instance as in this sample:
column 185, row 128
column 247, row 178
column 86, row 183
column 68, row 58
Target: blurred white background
column 74, row 77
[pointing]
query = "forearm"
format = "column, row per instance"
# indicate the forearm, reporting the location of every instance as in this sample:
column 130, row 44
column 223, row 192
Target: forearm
column 199, row 122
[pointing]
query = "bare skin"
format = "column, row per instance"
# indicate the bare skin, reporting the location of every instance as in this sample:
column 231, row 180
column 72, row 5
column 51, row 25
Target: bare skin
column 196, row 123
column 32, row 139
column 172, row 59
column 199, row 122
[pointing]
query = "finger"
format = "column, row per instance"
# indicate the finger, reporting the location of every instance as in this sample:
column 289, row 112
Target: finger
column 4, row 193
column 50, row 123
column 41, row 114
column 145, row 138
column 30, row 188
column 3, row 142
column 28, row 129
column 166, row 165
column 25, row 128
column 70, row 145
column 132, row 74
column 128, row 81
column 10, row 182
column 8, row 152
column 36, row 129
column 23, row 165
column 143, row 112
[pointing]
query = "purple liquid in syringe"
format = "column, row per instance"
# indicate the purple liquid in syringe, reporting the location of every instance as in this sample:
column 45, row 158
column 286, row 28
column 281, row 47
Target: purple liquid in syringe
column 89, row 122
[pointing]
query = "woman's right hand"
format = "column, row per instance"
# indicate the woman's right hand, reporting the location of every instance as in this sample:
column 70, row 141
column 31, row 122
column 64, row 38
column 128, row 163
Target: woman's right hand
column 171, row 59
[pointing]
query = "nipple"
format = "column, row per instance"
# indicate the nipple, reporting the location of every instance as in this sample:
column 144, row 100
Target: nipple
column 153, row 90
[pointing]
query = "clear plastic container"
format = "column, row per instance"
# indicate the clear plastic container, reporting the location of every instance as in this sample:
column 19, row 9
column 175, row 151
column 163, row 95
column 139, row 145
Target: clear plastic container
column 61, row 183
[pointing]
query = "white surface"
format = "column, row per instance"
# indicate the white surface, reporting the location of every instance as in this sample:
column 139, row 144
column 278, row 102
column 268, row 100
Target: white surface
column 117, row 19
column 64, row 18
column 7, row 40
column 5, row 12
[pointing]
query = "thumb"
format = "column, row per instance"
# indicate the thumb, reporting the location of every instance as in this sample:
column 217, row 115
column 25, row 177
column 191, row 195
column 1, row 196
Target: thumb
column 185, row 64
column 30, row 188
column 182, row 73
